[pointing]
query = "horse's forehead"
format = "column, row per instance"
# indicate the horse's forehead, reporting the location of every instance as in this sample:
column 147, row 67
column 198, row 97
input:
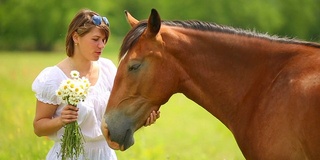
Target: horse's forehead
column 130, row 53
column 123, row 57
column 143, row 44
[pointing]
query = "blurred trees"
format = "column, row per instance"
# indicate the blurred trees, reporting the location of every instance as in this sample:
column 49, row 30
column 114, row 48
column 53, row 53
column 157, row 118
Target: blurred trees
column 39, row 25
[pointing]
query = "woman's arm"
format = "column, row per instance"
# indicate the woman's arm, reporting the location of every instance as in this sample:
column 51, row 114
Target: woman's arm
column 44, row 124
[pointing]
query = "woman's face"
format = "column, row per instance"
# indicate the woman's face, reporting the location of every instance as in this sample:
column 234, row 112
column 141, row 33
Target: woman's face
column 91, row 45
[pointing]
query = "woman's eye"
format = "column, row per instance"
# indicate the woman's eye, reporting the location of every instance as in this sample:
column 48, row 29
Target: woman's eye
column 134, row 67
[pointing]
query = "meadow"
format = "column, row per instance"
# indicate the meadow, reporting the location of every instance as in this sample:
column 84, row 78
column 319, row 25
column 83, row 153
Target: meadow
column 185, row 131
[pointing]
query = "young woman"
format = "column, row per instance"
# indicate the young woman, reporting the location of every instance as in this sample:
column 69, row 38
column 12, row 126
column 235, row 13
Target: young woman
column 86, row 38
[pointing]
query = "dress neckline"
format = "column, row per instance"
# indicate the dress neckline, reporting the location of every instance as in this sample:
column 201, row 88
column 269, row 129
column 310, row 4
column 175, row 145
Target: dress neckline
column 99, row 73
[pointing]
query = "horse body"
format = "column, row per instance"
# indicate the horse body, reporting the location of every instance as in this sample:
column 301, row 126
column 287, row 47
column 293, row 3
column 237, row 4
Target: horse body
column 265, row 90
column 260, row 89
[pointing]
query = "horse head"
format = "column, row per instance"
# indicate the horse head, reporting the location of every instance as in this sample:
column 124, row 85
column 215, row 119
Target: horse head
column 144, row 81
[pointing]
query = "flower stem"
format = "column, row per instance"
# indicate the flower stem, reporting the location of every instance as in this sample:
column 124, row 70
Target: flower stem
column 72, row 141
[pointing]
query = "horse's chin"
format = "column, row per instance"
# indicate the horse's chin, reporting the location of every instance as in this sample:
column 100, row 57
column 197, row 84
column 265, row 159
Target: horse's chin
column 121, row 144
column 115, row 145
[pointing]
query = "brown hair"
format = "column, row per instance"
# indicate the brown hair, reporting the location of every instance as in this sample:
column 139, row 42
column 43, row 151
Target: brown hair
column 82, row 24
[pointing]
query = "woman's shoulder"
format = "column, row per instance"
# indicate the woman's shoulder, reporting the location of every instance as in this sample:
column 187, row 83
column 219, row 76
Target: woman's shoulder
column 48, row 77
column 51, row 73
column 106, row 61
column 107, row 64
column 108, row 70
column 46, row 84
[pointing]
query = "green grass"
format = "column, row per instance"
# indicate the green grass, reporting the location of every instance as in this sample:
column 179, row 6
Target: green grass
column 185, row 131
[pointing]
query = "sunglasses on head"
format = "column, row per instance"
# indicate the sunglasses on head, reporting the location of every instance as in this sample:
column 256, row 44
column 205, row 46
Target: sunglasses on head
column 98, row 19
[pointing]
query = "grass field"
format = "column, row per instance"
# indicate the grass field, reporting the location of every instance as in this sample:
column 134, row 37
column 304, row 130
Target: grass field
column 185, row 131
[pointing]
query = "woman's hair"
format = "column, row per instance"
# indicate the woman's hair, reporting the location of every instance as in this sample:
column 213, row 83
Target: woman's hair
column 82, row 23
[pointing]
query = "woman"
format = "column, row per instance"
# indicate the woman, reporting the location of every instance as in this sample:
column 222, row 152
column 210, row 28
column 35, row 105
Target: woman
column 87, row 36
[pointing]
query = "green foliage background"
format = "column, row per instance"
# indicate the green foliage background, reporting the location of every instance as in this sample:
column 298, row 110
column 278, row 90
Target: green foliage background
column 185, row 130
column 41, row 25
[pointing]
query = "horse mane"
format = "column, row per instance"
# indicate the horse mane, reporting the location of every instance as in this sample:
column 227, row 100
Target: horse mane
column 135, row 33
column 131, row 38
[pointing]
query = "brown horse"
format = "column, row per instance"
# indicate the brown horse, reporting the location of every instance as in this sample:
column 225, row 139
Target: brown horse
column 266, row 90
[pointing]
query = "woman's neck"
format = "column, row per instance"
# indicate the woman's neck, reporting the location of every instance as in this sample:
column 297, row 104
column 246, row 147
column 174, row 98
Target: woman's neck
column 84, row 67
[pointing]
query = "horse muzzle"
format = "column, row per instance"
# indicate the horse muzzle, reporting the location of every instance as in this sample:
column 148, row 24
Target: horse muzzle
column 119, row 135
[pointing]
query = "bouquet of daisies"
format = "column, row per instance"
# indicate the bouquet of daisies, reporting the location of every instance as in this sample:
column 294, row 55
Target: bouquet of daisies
column 72, row 91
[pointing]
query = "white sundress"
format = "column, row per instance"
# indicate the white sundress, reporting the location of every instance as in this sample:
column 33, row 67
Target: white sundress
column 90, row 111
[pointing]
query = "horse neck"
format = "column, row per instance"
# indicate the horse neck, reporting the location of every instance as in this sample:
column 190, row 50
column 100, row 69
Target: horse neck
column 220, row 71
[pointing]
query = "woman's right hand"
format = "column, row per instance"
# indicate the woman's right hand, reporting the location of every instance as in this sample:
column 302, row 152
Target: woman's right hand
column 44, row 124
column 69, row 114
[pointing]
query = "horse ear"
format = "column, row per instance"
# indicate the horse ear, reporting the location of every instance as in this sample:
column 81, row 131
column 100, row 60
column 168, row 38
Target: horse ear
column 131, row 20
column 154, row 23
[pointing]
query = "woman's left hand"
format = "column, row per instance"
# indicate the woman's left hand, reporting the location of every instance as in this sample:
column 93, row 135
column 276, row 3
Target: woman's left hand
column 152, row 118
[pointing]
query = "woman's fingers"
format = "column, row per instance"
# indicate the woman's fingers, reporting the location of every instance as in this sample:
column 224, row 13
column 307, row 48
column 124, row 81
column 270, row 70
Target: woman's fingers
column 69, row 114
column 147, row 122
column 70, row 110
column 158, row 114
column 71, row 107
column 152, row 118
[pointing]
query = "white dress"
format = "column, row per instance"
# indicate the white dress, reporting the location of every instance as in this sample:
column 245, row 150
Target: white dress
column 90, row 111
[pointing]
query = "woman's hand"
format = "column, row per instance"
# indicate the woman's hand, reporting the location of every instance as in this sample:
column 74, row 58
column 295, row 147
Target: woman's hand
column 45, row 125
column 69, row 114
column 152, row 118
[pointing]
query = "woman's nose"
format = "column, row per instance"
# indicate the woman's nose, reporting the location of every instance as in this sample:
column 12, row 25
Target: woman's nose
column 101, row 44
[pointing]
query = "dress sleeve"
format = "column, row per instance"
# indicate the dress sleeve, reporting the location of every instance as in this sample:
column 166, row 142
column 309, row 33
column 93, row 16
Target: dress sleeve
column 45, row 86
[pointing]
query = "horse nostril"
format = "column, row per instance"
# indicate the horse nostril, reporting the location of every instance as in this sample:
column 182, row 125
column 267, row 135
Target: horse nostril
column 128, row 140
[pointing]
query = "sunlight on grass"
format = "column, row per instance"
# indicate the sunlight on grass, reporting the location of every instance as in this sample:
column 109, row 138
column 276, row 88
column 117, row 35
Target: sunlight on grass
column 185, row 131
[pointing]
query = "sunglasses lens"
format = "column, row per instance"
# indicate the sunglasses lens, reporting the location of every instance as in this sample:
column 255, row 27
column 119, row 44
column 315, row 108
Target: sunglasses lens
column 106, row 21
column 96, row 20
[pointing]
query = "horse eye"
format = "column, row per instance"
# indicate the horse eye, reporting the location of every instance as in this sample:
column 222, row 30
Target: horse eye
column 134, row 67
